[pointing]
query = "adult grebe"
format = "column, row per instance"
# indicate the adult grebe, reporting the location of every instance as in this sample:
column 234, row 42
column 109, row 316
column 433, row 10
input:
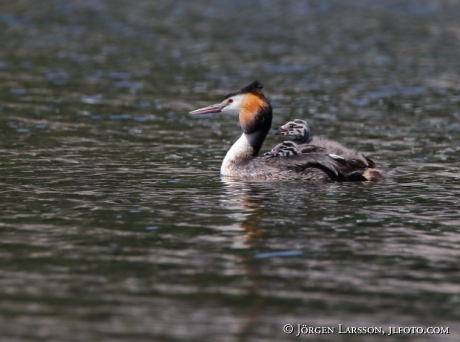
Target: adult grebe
column 255, row 117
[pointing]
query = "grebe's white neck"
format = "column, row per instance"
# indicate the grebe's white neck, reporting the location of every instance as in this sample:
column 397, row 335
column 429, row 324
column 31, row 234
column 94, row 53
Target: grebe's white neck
column 246, row 147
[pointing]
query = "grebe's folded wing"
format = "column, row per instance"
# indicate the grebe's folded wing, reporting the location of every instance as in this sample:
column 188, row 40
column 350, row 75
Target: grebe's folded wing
column 304, row 162
column 370, row 162
column 307, row 148
column 356, row 163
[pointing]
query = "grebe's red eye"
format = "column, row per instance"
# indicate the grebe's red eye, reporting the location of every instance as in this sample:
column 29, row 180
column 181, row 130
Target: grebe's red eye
column 229, row 101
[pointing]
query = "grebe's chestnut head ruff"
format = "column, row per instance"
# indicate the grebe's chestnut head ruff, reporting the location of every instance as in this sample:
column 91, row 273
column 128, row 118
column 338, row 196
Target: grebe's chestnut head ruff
column 298, row 129
column 285, row 149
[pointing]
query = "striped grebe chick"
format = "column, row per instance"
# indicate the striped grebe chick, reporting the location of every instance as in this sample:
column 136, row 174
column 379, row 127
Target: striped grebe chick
column 285, row 149
column 300, row 130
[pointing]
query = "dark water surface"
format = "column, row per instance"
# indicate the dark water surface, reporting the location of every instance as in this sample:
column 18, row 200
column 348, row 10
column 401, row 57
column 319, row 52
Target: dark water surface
column 115, row 224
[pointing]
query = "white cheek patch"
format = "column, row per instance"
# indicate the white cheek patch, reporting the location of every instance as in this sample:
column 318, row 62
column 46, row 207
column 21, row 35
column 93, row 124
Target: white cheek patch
column 235, row 106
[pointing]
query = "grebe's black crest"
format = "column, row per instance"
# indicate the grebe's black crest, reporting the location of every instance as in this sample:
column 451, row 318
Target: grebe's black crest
column 254, row 87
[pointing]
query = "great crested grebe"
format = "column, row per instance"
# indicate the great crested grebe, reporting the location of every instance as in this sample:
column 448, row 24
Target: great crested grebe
column 306, row 144
column 255, row 117
column 303, row 143
column 298, row 129
column 286, row 148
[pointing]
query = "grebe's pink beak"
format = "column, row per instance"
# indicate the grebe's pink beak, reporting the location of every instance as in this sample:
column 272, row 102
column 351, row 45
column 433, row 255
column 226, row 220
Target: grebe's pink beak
column 282, row 130
column 215, row 108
